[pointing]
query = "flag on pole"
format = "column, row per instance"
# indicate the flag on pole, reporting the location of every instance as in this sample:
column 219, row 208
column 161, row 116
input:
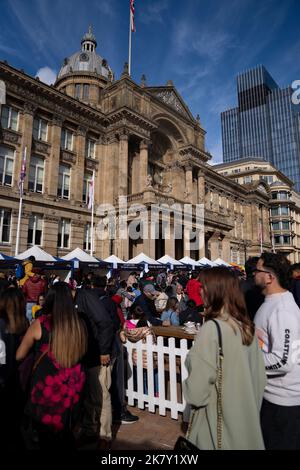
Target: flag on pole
column 132, row 16
column 91, row 192
column 23, row 172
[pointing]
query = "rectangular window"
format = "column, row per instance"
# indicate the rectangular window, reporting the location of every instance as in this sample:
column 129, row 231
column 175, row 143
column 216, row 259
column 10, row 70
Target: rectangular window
column 35, row 230
column 5, row 225
column 66, row 142
column 40, row 129
column 90, row 148
column 276, row 226
column 277, row 240
column 247, row 179
column 275, row 211
column 286, row 225
column 9, row 118
column 63, row 189
column 86, row 187
column 285, row 210
column 77, row 91
column 6, row 165
column 86, row 90
column 286, row 240
column 36, row 174
column 87, row 237
column 63, row 239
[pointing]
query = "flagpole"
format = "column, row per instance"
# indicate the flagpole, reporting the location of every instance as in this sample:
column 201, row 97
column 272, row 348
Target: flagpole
column 20, row 207
column 92, row 219
column 130, row 37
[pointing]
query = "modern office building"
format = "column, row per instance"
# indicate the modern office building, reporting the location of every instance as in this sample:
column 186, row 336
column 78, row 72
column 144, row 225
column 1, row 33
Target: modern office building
column 265, row 124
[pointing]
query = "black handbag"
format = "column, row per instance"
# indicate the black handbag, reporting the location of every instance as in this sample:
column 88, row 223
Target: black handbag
column 183, row 444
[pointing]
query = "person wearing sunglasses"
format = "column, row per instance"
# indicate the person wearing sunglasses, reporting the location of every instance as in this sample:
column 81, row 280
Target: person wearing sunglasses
column 278, row 328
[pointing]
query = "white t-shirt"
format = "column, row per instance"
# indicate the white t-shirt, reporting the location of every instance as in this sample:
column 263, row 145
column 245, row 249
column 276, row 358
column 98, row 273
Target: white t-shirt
column 278, row 328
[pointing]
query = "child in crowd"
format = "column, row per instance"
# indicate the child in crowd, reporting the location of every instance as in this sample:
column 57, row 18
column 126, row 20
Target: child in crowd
column 135, row 330
column 38, row 306
column 171, row 314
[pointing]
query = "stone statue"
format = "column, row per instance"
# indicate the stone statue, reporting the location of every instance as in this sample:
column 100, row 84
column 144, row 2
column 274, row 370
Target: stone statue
column 149, row 181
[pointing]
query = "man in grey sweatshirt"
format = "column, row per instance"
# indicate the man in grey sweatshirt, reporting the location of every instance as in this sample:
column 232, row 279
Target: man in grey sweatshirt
column 278, row 328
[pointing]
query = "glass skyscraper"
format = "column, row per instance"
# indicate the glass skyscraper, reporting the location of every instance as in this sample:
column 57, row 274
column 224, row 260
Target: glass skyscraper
column 265, row 124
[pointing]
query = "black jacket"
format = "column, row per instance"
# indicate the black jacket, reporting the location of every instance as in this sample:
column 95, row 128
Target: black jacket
column 148, row 307
column 100, row 327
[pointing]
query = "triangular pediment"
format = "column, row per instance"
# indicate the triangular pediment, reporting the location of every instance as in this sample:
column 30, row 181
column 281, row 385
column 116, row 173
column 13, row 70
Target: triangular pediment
column 170, row 96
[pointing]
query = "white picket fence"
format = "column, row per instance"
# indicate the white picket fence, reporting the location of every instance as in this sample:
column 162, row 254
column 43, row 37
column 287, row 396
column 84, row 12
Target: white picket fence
column 171, row 373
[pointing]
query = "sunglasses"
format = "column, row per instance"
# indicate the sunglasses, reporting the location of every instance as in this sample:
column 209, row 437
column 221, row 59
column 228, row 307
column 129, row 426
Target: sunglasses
column 260, row 271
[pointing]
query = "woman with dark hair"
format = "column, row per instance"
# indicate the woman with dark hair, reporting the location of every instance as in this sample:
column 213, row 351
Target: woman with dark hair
column 60, row 341
column 226, row 394
column 13, row 325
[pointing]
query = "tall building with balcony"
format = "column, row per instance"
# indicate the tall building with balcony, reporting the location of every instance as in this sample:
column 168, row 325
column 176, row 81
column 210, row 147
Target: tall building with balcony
column 284, row 203
column 140, row 141
column 264, row 125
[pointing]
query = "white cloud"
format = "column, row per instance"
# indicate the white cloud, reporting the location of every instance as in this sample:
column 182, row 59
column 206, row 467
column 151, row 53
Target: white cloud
column 153, row 13
column 46, row 75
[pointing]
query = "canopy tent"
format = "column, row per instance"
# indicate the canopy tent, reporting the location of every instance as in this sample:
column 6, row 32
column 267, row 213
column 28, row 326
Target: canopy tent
column 189, row 262
column 7, row 262
column 43, row 259
column 80, row 255
column 143, row 260
column 221, row 262
column 206, row 262
column 38, row 253
column 171, row 262
column 81, row 259
column 4, row 257
column 114, row 259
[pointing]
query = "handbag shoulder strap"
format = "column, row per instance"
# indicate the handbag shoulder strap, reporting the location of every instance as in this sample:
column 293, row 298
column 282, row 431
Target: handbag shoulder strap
column 220, row 340
column 219, row 385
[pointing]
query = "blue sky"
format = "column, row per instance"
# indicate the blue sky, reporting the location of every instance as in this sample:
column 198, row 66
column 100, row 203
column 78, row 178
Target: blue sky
column 199, row 44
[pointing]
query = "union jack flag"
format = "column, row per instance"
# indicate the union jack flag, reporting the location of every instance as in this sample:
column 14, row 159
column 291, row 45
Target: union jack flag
column 132, row 16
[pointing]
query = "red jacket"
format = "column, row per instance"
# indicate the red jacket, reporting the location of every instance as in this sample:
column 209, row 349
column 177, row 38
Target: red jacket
column 118, row 300
column 33, row 287
column 193, row 291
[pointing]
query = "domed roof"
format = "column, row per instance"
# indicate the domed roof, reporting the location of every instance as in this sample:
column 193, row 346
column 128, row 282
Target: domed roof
column 86, row 60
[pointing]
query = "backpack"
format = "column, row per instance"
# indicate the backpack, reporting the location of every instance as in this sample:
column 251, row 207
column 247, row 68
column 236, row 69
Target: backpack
column 20, row 271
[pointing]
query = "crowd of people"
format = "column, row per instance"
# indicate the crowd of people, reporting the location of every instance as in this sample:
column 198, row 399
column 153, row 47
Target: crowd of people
column 63, row 363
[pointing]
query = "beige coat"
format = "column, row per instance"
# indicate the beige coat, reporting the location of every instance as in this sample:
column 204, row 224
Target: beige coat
column 244, row 380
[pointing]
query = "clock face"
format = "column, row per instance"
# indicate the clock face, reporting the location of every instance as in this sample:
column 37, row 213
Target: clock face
column 84, row 57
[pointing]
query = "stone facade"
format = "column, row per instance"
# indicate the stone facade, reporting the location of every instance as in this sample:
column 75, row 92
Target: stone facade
column 284, row 206
column 141, row 142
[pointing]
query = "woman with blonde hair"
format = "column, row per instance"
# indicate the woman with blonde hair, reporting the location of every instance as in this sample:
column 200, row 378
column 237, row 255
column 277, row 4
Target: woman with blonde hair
column 226, row 373
column 60, row 342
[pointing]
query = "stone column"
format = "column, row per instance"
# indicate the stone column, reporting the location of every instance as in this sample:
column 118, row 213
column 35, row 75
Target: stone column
column 110, row 171
column 226, row 249
column 100, row 177
column 188, row 183
column 123, row 165
column 201, row 187
column 170, row 242
column 135, row 173
column 143, row 170
column 26, row 141
column 78, row 170
column 51, row 176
